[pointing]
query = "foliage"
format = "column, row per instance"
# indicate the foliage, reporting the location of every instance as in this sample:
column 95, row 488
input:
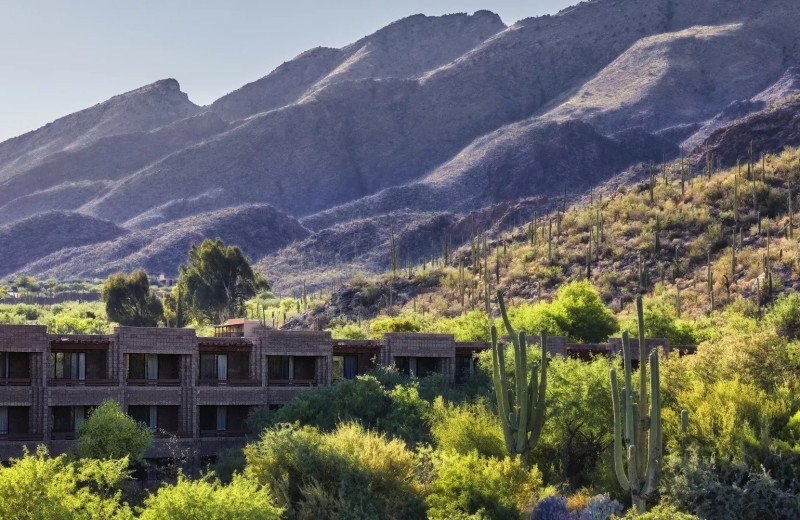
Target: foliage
column 129, row 300
column 398, row 412
column 470, row 326
column 719, row 489
column 661, row 321
column 576, row 312
column 348, row 331
column 217, row 281
column 209, row 499
column 39, row 487
column 110, row 434
column 467, row 428
column 551, row 508
column 489, row 487
column 785, row 316
column 347, row 473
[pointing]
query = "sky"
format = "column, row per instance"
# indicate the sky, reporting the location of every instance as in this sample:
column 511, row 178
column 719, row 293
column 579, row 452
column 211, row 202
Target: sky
column 59, row 56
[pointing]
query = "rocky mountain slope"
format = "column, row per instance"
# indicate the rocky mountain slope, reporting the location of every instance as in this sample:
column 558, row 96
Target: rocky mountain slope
column 260, row 229
column 429, row 115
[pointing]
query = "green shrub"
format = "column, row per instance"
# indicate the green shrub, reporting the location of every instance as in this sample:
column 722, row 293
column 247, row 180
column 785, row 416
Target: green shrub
column 209, row 499
column 348, row 473
column 488, row 487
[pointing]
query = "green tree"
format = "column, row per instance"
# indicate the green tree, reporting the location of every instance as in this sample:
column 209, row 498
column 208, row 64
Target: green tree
column 110, row 434
column 580, row 313
column 209, row 499
column 38, row 487
column 217, row 281
column 26, row 283
column 129, row 300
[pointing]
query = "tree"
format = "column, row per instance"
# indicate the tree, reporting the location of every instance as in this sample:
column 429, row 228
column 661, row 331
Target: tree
column 110, row 434
column 579, row 312
column 129, row 300
column 218, row 280
column 207, row 498
column 26, row 283
column 38, row 487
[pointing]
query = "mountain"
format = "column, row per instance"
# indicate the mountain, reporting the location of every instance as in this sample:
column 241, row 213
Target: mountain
column 43, row 234
column 428, row 116
column 259, row 229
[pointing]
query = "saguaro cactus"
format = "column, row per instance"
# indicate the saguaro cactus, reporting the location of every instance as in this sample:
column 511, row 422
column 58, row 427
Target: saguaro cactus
column 637, row 437
column 522, row 405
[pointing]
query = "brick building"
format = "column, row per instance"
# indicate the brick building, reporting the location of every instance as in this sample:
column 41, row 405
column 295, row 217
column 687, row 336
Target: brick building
column 195, row 392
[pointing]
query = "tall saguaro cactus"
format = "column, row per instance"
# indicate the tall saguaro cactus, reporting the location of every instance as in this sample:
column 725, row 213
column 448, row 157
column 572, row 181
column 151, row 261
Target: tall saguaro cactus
column 637, row 437
column 522, row 405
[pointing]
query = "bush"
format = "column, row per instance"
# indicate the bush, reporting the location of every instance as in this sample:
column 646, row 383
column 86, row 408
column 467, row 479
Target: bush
column 466, row 428
column 110, row 434
column 489, row 488
column 209, row 499
column 40, row 487
column 719, row 489
column 350, row 472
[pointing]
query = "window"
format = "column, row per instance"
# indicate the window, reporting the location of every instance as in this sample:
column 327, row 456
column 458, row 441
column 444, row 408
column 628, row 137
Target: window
column 214, row 366
column 350, row 367
column 156, row 417
column 3, row 365
column 3, row 420
column 67, row 419
column 279, row 367
column 68, row 365
column 304, row 368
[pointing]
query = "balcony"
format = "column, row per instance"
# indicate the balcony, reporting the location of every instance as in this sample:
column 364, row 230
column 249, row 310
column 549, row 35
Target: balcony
column 299, row 371
column 79, row 368
column 225, row 369
column 153, row 382
column 223, row 421
column 228, row 382
column 15, row 381
column 152, row 369
column 15, row 369
column 21, row 437
column 82, row 382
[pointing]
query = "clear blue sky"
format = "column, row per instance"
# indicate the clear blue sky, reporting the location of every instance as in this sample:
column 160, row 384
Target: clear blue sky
column 60, row 56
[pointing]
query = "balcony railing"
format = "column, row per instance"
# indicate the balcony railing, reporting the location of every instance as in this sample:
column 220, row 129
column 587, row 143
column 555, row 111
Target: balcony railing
column 82, row 382
column 292, row 382
column 64, row 436
column 228, row 382
column 163, row 434
column 21, row 437
column 222, row 433
column 153, row 382
column 15, row 381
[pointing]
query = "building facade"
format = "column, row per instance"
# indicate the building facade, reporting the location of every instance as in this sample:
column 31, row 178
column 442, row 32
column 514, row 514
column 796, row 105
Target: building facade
column 195, row 393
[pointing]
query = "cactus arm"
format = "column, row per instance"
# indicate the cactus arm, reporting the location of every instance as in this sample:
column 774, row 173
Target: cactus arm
column 654, row 462
column 642, row 425
column 520, row 358
column 499, row 379
column 533, row 392
column 629, row 422
column 541, row 402
column 502, row 304
column 619, row 455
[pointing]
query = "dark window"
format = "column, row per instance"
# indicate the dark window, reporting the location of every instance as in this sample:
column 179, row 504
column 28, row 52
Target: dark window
column 278, row 367
column 136, row 366
column 304, row 368
column 427, row 366
column 350, row 367
column 239, row 365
